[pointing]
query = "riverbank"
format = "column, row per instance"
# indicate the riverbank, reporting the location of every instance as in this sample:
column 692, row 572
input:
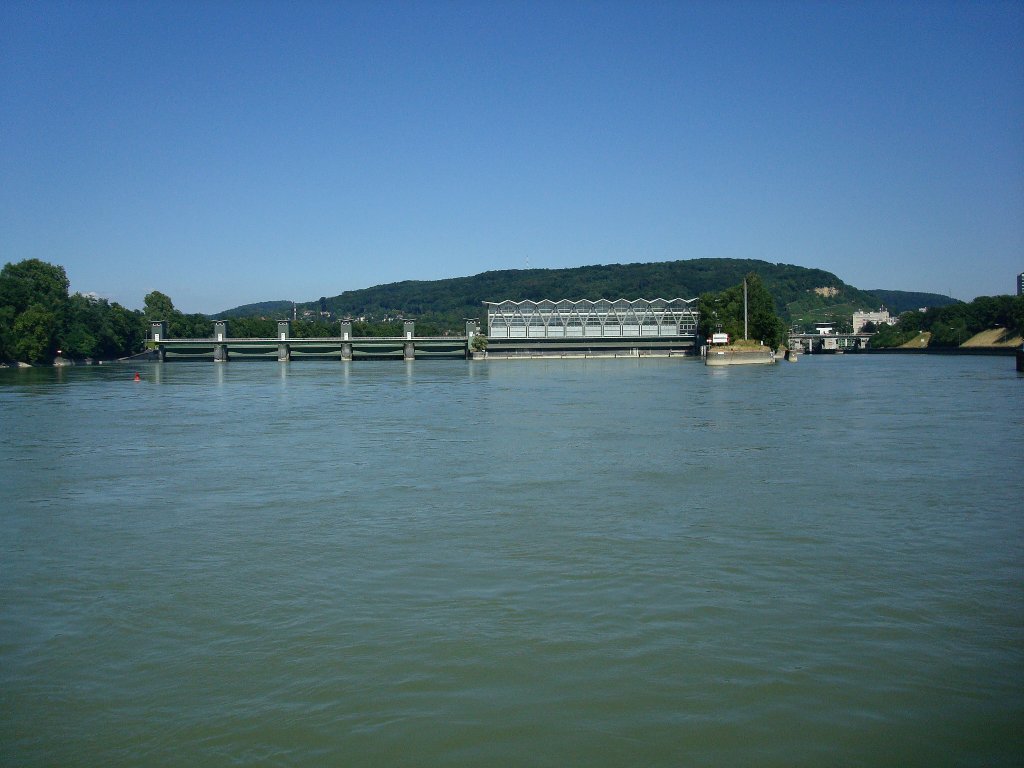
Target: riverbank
column 994, row 341
column 995, row 351
column 994, row 338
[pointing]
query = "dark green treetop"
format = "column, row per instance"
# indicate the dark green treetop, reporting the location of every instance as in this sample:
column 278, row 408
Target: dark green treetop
column 37, row 317
column 725, row 309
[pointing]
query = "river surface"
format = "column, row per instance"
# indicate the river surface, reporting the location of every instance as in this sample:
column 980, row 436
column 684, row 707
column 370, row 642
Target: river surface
column 513, row 563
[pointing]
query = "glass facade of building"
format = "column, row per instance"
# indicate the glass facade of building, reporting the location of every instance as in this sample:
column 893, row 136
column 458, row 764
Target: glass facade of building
column 604, row 318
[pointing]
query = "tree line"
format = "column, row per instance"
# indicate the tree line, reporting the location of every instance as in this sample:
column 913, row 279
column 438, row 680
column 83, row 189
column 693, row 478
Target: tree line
column 952, row 325
column 38, row 317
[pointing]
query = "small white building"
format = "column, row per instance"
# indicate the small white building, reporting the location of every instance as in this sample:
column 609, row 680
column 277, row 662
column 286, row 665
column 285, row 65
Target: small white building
column 860, row 319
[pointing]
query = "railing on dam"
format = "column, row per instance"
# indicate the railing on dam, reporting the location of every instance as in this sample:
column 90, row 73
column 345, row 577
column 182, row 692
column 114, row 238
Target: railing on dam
column 221, row 347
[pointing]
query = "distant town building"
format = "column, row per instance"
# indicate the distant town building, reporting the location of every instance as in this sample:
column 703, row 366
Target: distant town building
column 860, row 319
column 824, row 329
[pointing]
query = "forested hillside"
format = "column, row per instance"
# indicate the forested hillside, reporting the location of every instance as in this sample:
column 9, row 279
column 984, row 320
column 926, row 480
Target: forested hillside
column 685, row 279
column 898, row 302
column 443, row 304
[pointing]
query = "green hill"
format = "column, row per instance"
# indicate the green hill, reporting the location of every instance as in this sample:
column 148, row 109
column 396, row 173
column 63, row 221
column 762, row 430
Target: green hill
column 798, row 291
column 274, row 309
column 898, row 302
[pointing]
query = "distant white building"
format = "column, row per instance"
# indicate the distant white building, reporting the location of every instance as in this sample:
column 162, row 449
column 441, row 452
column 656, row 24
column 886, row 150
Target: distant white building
column 860, row 319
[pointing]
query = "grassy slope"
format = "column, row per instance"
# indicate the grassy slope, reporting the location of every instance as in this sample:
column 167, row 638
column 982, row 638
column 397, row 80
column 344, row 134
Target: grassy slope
column 994, row 337
column 921, row 340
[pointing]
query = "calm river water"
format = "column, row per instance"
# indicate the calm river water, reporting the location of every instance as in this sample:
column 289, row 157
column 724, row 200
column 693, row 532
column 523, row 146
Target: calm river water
column 519, row 563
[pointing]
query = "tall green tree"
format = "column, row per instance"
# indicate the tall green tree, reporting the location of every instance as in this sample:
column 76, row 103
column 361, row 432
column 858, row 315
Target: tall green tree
column 33, row 282
column 37, row 317
column 33, row 304
column 6, row 332
column 128, row 331
column 94, row 327
column 158, row 306
column 35, row 334
column 725, row 310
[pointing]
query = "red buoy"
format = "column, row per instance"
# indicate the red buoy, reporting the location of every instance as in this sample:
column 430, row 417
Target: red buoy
column 137, row 377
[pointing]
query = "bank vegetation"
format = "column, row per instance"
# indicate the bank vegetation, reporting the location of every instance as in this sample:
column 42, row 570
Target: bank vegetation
column 952, row 325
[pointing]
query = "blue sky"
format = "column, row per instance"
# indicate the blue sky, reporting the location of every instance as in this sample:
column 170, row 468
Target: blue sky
column 232, row 152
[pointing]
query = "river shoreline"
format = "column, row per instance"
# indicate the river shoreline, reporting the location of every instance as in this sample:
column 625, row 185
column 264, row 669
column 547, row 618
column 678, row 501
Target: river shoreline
column 995, row 351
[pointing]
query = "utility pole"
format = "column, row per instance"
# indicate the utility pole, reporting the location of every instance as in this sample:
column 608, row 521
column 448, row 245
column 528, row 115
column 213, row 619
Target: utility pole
column 744, row 309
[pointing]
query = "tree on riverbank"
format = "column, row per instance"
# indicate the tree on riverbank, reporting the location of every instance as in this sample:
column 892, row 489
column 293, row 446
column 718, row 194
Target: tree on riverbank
column 37, row 317
column 33, row 300
column 952, row 325
column 158, row 306
column 96, row 328
column 725, row 309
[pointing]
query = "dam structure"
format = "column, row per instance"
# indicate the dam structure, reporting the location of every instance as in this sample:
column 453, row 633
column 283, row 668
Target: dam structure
column 515, row 329
column 586, row 328
column 221, row 347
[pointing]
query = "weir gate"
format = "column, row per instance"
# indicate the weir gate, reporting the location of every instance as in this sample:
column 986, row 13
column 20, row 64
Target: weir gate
column 221, row 347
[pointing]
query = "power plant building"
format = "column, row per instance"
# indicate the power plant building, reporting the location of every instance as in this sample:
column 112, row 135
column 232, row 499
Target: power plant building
column 603, row 318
